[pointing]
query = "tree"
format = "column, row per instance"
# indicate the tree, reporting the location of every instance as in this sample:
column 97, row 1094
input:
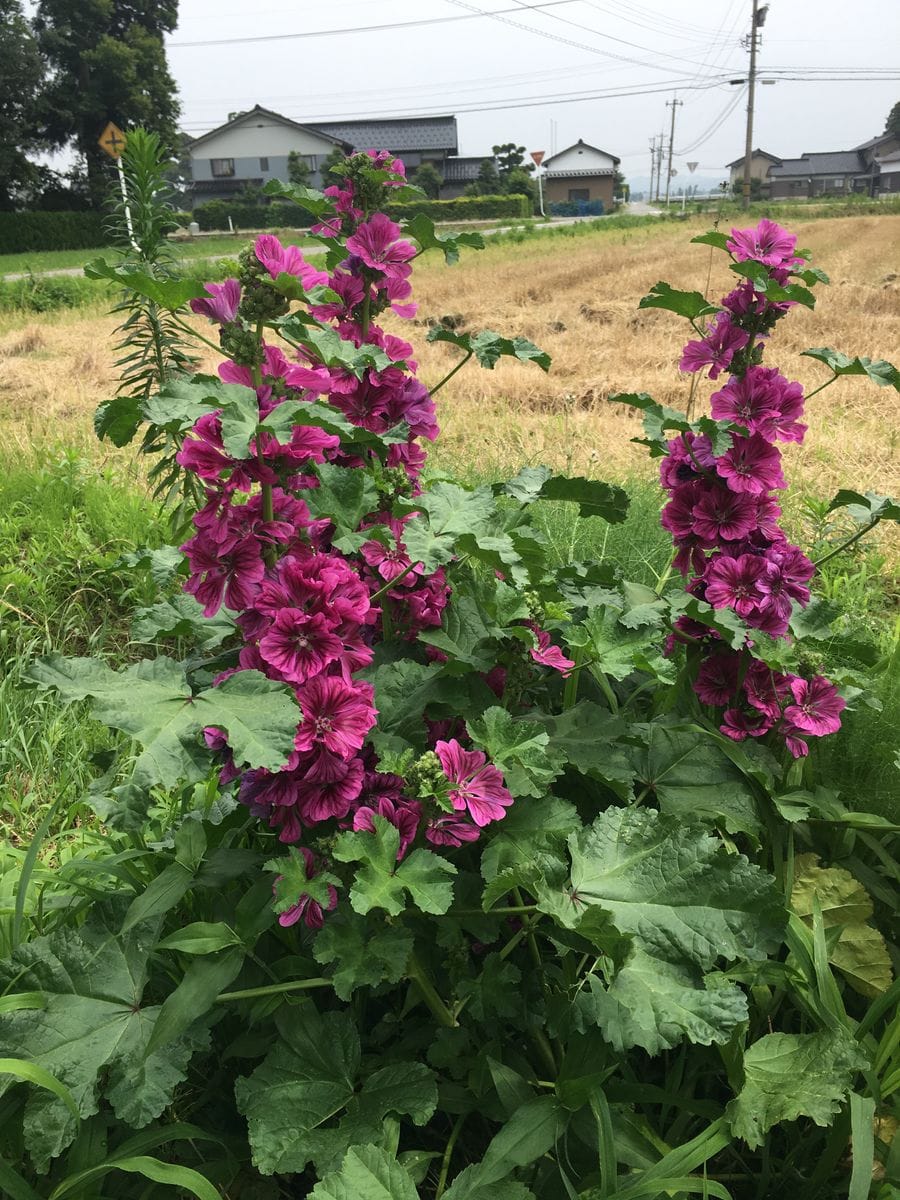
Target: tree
column 488, row 181
column 107, row 62
column 332, row 160
column 21, row 73
column 892, row 124
column 518, row 180
column 429, row 180
column 510, row 157
column 298, row 169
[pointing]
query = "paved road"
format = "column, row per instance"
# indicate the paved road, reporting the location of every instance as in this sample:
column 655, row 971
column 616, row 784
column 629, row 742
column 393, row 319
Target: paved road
column 555, row 223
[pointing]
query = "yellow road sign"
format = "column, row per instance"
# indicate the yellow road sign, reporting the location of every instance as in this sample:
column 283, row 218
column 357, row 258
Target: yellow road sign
column 112, row 140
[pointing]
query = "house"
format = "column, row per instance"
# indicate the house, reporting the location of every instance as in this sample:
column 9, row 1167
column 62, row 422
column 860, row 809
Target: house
column 252, row 148
column 832, row 173
column 580, row 172
column 457, row 174
column 888, row 173
column 416, row 140
column 760, row 162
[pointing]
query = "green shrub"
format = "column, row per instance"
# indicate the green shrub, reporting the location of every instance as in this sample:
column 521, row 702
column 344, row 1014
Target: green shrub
column 50, row 231
column 466, row 208
column 215, row 213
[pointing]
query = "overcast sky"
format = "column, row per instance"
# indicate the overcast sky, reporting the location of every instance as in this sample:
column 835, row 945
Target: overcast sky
column 526, row 67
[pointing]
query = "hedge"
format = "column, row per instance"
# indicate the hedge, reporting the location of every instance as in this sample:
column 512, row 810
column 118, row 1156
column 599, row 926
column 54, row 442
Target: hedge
column 214, row 214
column 51, row 231
column 577, row 208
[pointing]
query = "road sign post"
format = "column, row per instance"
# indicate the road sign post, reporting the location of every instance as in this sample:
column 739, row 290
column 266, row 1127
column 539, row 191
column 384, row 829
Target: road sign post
column 538, row 156
column 112, row 142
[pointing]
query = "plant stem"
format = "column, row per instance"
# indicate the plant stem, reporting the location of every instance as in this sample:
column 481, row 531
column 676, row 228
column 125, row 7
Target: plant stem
column 815, row 391
column 445, row 1161
column 462, row 362
column 268, row 507
column 439, row 1009
column 603, row 683
column 272, row 989
column 849, row 542
column 185, row 328
column 570, row 689
column 392, row 582
column 365, row 316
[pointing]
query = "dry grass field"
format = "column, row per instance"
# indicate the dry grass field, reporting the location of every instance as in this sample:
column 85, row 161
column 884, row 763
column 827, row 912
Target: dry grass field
column 577, row 298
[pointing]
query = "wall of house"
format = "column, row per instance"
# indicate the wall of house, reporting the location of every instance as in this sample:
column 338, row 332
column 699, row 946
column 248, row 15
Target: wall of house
column 582, row 158
column 888, row 182
column 759, row 169
column 598, row 187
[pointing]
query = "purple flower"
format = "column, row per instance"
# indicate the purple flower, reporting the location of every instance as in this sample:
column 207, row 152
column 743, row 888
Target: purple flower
column 223, row 303
column 475, row 784
column 404, row 814
column 817, row 706
column 717, row 678
column 279, row 259
column 733, row 583
column 451, row 829
column 738, row 724
column 750, row 400
column 722, row 341
column 376, row 243
column 332, row 797
column 766, row 689
column 723, row 515
column 768, row 244
column 548, row 655
column 336, row 715
column 299, row 646
column 307, row 909
column 752, row 465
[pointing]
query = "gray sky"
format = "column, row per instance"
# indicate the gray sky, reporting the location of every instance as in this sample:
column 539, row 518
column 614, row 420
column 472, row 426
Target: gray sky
column 559, row 51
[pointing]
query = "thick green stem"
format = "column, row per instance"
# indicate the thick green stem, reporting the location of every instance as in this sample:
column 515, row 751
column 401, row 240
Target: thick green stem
column 821, row 387
column 185, row 328
column 462, row 362
column 392, row 583
column 849, row 542
column 365, row 316
column 603, row 683
column 570, row 689
column 428, row 992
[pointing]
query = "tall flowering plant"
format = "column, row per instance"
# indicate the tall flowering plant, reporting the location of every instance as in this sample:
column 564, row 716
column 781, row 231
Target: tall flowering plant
column 724, row 475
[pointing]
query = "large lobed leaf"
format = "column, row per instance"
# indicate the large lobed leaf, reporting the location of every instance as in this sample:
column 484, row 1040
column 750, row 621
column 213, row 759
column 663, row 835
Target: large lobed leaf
column 382, row 882
column 489, row 347
column 93, row 1031
column 312, row 1076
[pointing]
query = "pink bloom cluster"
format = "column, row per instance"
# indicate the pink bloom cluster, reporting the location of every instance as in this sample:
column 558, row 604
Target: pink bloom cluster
column 723, row 515
column 308, row 614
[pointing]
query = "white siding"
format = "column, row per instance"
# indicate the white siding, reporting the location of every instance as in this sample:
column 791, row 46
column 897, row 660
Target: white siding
column 261, row 136
column 581, row 158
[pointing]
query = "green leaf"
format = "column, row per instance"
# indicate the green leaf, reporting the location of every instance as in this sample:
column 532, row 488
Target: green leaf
column 407, row 691
column 182, row 616
column 329, row 348
column 171, row 294
column 791, row 1075
column 448, row 511
column 293, row 881
column 489, row 347
column 466, row 634
column 883, row 373
column 381, row 881
column 367, row 1173
column 519, row 749
column 421, row 228
column 161, row 894
column 202, row 982
column 655, row 1004
column 691, row 777
column 864, row 509
column 686, row 304
column 118, row 419
column 309, row 199
column 593, row 497
column 611, row 645
column 344, row 496
column 180, row 402
column 93, row 1030
column 713, row 238
column 769, row 287
column 282, row 420
column 364, row 951
column 310, row 1077
column 667, row 883
column 529, row 836
column 587, row 738
column 171, row 1174
column 201, row 937
column 30, row 1072
column 152, row 702
column 525, row 1138
column 859, row 952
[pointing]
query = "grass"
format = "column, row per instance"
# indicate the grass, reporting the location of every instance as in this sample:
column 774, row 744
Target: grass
column 63, row 529
column 56, row 260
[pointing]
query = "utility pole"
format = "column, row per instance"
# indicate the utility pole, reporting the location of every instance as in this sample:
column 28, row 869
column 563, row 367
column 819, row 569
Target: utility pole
column 660, row 151
column 674, row 103
column 652, row 167
column 758, row 20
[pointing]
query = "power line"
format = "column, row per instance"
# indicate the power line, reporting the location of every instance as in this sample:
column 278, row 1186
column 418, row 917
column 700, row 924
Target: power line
column 319, row 33
column 715, row 125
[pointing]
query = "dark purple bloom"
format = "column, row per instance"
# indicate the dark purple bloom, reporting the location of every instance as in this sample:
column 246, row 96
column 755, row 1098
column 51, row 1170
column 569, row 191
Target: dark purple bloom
column 752, row 465
column 722, row 341
column 734, row 583
column 817, row 706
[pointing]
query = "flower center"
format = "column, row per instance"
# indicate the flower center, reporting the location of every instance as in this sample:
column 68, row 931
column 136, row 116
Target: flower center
column 323, row 725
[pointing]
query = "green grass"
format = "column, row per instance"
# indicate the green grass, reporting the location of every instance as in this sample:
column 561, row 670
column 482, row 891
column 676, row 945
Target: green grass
column 63, row 529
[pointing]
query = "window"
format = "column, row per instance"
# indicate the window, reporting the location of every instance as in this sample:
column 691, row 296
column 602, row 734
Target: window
column 222, row 167
column 264, row 164
column 579, row 193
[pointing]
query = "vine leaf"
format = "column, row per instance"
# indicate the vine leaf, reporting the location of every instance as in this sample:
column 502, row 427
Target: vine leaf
column 367, row 1173
column 519, row 749
column 791, row 1075
column 381, row 881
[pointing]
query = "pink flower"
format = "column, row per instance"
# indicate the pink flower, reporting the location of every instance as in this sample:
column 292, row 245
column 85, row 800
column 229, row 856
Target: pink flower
column 318, row 801
column 375, row 242
column 476, row 785
column 739, row 725
column 817, row 706
column 722, row 341
column 307, row 909
column 336, row 714
column 733, row 583
column 750, row 400
column 233, row 576
column 389, row 561
column 768, row 244
column 279, row 259
column 299, row 646
column 724, row 515
column 766, row 689
column 717, row 678
column 752, row 465
column 403, row 814
column 223, row 303
column 549, row 655
column 450, row 830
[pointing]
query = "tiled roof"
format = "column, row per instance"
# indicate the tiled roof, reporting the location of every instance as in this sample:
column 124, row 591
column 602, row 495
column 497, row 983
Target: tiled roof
column 836, row 162
column 587, row 146
column 259, row 111
column 414, row 133
column 461, row 170
column 757, row 153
